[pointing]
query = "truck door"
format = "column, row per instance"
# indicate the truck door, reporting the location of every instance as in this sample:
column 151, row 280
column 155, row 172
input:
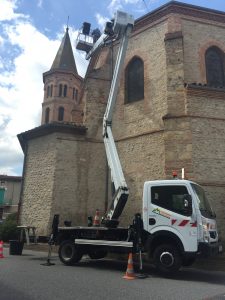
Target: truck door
column 168, row 210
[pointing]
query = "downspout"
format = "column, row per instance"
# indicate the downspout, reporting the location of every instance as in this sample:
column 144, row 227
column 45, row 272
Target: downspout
column 22, row 182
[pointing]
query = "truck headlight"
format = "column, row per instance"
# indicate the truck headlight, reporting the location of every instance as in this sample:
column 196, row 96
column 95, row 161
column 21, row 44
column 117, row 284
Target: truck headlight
column 205, row 228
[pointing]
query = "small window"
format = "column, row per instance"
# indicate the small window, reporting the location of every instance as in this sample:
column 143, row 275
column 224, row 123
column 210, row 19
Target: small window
column 51, row 90
column 65, row 90
column 214, row 60
column 48, row 91
column 170, row 197
column 2, row 182
column 60, row 113
column 75, row 94
column 60, row 90
column 134, row 80
column 47, row 112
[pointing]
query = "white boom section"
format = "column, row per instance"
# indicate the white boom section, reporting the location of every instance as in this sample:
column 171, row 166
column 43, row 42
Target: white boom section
column 99, row 43
column 121, row 28
column 125, row 25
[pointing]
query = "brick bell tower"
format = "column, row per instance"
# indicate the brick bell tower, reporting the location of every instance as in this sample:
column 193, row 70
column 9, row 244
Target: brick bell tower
column 62, row 88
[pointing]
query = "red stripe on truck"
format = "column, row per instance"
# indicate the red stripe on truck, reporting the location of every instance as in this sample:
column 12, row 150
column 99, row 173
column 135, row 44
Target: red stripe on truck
column 183, row 223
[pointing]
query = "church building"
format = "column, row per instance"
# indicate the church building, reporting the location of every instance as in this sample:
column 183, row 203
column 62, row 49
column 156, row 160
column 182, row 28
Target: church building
column 170, row 114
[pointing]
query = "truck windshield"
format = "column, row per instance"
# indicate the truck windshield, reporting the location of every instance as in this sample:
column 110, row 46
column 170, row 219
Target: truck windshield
column 204, row 204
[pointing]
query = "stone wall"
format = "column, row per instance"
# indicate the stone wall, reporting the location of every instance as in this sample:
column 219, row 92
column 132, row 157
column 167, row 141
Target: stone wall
column 79, row 181
column 62, row 173
column 38, row 183
column 198, row 36
column 206, row 107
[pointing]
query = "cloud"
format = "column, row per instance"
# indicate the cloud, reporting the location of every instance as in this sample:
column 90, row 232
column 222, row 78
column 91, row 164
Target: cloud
column 40, row 3
column 101, row 20
column 132, row 1
column 28, row 53
column 114, row 6
column 135, row 6
column 7, row 10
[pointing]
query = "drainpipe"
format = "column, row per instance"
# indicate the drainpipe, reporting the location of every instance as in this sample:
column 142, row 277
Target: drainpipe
column 22, row 183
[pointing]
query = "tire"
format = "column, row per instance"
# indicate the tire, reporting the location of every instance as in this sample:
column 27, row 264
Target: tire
column 187, row 262
column 167, row 259
column 69, row 254
column 97, row 254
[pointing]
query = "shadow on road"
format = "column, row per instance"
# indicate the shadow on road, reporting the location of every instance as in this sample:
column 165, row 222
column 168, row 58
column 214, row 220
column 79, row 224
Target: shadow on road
column 185, row 274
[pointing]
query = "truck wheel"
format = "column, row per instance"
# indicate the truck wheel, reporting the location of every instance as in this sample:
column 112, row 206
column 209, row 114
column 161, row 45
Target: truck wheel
column 167, row 259
column 97, row 254
column 69, row 254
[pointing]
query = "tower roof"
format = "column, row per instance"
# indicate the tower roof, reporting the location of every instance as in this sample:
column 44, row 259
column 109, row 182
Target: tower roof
column 64, row 59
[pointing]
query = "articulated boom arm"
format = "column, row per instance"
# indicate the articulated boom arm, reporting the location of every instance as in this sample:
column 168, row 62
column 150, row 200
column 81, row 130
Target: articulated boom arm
column 121, row 189
column 121, row 28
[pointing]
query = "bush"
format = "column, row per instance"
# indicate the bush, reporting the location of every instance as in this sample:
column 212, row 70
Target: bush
column 8, row 229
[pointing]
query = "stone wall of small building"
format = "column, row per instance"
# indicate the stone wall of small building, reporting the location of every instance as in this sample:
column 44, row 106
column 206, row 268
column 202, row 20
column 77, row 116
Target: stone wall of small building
column 77, row 174
column 65, row 175
column 38, row 183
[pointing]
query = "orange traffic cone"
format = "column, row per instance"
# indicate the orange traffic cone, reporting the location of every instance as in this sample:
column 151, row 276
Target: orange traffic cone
column 1, row 249
column 130, row 270
column 96, row 219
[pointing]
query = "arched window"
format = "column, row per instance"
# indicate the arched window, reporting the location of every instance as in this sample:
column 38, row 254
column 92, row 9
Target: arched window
column 65, row 90
column 60, row 113
column 214, row 61
column 75, row 94
column 60, row 90
column 51, row 90
column 48, row 91
column 134, row 80
column 47, row 113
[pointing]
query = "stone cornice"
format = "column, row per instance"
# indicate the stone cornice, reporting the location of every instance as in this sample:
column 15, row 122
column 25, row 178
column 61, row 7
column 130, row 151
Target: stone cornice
column 10, row 178
column 55, row 71
column 175, row 7
column 203, row 90
column 48, row 129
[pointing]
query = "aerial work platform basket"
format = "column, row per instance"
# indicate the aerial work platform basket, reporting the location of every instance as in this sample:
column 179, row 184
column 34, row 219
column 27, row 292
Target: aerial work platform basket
column 86, row 38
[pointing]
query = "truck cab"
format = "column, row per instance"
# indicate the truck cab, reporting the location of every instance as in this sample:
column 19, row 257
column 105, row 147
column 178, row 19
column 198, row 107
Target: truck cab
column 179, row 221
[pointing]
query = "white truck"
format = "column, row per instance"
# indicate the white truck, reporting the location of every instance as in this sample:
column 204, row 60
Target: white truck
column 177, row 220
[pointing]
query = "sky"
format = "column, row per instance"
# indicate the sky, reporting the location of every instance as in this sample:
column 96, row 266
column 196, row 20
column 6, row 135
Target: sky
column 30, row 34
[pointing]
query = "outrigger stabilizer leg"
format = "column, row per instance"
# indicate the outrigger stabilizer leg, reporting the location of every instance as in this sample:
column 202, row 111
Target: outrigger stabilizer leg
column 48, row 262
column 138, row 227
column 52, row 239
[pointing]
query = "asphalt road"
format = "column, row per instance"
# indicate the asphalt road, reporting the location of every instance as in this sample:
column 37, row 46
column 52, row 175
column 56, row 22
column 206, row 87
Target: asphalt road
column 24, row 278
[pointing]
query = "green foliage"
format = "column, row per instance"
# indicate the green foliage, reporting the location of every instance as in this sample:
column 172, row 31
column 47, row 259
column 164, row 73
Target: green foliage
column 9, row 230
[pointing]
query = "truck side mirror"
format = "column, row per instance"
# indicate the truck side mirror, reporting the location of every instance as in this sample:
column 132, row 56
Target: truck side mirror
column 187, row 202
